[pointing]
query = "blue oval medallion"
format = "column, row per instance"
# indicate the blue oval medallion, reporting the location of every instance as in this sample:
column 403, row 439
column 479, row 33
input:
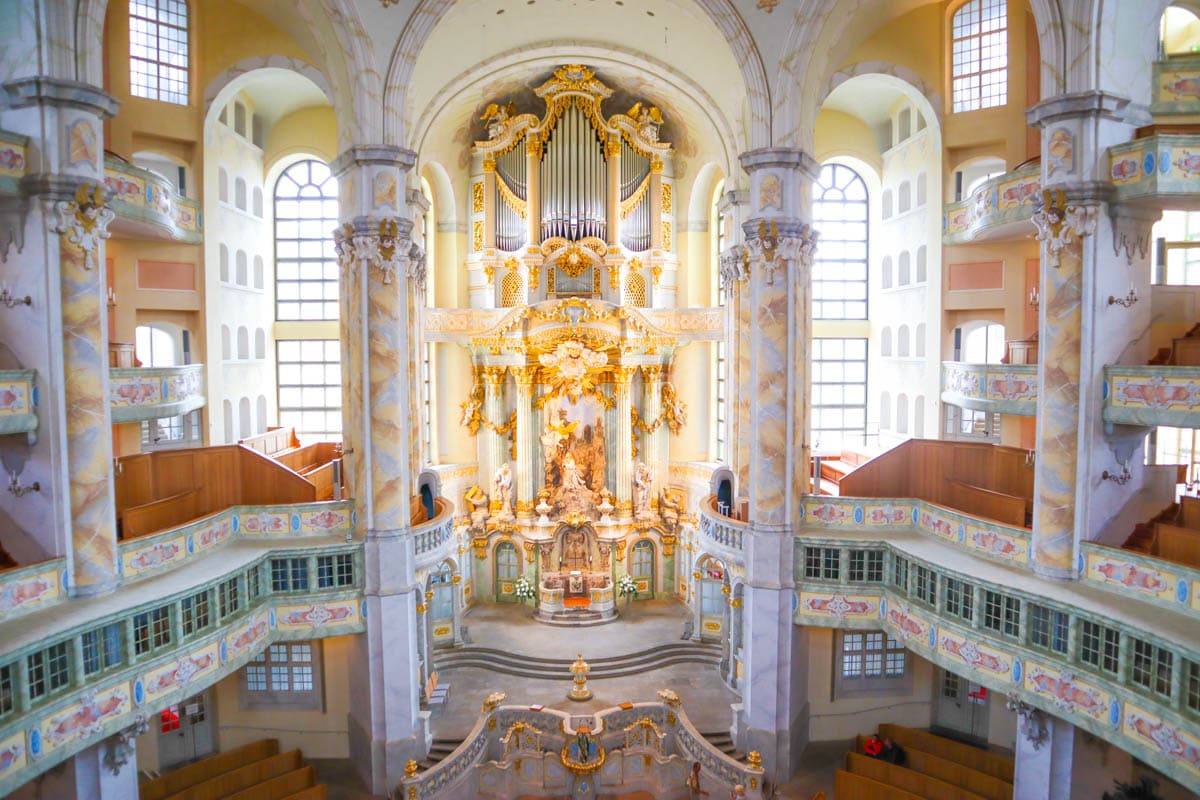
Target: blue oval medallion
column 916, row 514
column 139, row 692
column 224, row 652
column 858, row 514
column 1079, row 564
column 1104, row 390
column 354, row 517
column 883, row 607
column 1164, row 161
column 34, row 396
column 35, row 743
column 236, row 523
column 1181, row 591
column 191, row 544
column 63, row 580
column 1016, row 670
column 1148, row 164
column 962, row 532
column 1114, row 713
column 295, row 522
column 933, row 637
column 363, row 609
column 271, row 617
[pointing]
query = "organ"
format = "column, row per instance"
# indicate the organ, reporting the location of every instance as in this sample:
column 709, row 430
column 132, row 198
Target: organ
column 572, row 203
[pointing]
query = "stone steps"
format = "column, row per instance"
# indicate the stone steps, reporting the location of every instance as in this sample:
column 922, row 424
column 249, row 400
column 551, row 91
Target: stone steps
column 525, row 666
column 723, row 742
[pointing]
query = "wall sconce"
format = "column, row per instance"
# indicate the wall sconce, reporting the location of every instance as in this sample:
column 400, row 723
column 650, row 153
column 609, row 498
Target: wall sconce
column 1035, row 297
column 1030, row 458
column 20, row 491
column 112, row 297
column 1121, row 478
column 1126, row 301
column 118, row 467
column 7, row 298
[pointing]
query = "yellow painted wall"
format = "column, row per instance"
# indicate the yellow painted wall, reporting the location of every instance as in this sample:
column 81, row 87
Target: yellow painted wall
column 308, row 131
column 841, row 134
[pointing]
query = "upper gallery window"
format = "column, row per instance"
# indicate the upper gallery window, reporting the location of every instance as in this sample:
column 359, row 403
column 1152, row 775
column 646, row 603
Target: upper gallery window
column 980, row 55
column 158, row 50
column 306, row 267
column 839, row 282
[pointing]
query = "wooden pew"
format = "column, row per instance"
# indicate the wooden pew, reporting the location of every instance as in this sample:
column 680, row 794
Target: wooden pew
column 993, row 764
column 982, row 502
column 279, row 787
column 1173, row 543
column 242, row 778
column 158, row 515
column 848, row 786
column 272, row 442
column 980, row 783
column 1189, row 512
column 318, row 792
column 906, row 779
column 184, row 777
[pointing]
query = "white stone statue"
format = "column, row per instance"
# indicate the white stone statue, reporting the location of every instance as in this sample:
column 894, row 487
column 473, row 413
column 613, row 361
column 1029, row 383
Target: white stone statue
column 605, row 507
column 643, row 479
column 572, row 478
column 477, row 503
column 543, row 508
column 502, row 491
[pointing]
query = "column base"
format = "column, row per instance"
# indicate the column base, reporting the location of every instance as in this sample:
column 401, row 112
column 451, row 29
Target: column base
column 381, row 763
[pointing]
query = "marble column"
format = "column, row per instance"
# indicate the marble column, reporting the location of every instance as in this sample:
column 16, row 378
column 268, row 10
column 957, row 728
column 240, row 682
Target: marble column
column 386, row 725
column 108, row 770
column 64, row 333
column 775, row 296
column 494, row 447
column 525, row 433
column 1090, row 251
column 655, row 442
column 623, row 452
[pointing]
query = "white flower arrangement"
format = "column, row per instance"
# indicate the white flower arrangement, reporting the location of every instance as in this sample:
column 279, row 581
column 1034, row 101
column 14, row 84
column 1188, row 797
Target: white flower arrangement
column 524, row 590
column 627, row 587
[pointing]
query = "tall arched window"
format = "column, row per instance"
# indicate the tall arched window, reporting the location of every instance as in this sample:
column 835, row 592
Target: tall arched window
column 155, row 346
column 306, row 270
column 839, row 282
column 158, row 50
column 979, row 44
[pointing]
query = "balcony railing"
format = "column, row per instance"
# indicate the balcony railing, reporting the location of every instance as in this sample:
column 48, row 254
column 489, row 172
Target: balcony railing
column 991, row 211
column 142, row 393
column 434, row 540
column 140, row 196
column 994, row 388
column 1152, row 395
column 1163, row 167
column 1176, row 86
column 726, row 533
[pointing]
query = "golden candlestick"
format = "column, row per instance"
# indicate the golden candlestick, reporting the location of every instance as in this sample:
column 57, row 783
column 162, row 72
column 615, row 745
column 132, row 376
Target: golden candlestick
column 579, row 671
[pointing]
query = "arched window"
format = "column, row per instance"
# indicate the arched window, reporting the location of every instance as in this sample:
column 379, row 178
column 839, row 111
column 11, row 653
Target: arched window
column 919, row 344
column 230, row 433
column 225, row 263
column 902, row 342
column 905, row 269
column 902, row 413
column 256, row 206
column 922, row 189
column 979, row 47
column 156, row 347
column 885, row 342
column 922, row 267
column 244, row 425
column 839, row 278
column 983, row 343
column 261, row 404
column 306, row 269
column 158, row 50
column 885, row 411
column 241, row 277
column 258, row 272
column 239, row 193
column 243, row 344
column 904, row 124
column 886, row 211
column 887, row 272
column 919, row 417
column 1180, row 31
column 222, row 185
column 260, row 343
column 904, row 197
column 226, row 343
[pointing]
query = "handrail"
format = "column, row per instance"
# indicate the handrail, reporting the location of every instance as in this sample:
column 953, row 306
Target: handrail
column 721, row 529
column 1152, row 395
column 994, row 388
column 141, row 195
column 430, row 536
column 142, row 393
column 999, row 201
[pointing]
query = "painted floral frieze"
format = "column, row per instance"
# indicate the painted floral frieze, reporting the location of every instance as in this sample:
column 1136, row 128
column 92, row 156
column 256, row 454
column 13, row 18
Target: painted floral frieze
column 993, row 204
column 1067, row 691
column 137, row 394
column 975, row 655
column 18, row 401
column 22, row 591
column 143, row 196
column 841, row 606
column 995, row 388
column 1172, row 741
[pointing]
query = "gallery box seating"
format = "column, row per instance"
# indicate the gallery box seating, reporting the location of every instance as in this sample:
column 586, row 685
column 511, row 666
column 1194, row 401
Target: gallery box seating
column 256, row 771
column 983, row 480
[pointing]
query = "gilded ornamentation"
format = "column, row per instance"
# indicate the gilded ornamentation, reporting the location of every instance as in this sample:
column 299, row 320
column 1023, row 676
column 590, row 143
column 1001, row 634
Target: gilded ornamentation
column 492, row 702
column 572, row 367
column 383, row 249
column 477, row 197
column 497, row 117
column 480, row 545
column 666, row 198
column 1060, row 224
column 612, row 147
column 674, row 412
column 489, row 272
column 635, row 198
column 535, row 275
column 579, row 671
column 489, row 164
column 420, row 608
column 621, row 544
column 666, row 235
column 669, row 697
column 614, row 276
column 657, row 271
column 533, row 145
column 771, row 251
column 477, row 235
column 656, row 166
column 410, row 768
column 754, row 759
column 510, row 198
column 84, row 222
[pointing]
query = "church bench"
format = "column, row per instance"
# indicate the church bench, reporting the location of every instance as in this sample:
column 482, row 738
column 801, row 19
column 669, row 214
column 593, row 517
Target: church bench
column 997, row 766
column 906, row 779
column 437, row 693
column 179, row 779
column 848, row 786
column 960, row 775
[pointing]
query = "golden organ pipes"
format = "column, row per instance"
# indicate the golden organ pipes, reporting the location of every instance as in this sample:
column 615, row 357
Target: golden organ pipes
column 635, row 227
column 510, row 225
column 573, row 179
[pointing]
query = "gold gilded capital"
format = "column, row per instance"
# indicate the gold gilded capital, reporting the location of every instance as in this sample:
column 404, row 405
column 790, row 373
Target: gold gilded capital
column 652, row 372
column 656, row 167
column 612, row 147
column 494, row 376
column 533, row 145
column 524, row 375
column 623, row 374
column 489, row 164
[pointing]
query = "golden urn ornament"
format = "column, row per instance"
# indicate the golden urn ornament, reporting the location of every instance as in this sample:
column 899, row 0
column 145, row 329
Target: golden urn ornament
column 579, row 671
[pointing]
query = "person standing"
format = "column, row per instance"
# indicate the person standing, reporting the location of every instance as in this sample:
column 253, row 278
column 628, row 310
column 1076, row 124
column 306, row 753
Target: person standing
column 693, row 783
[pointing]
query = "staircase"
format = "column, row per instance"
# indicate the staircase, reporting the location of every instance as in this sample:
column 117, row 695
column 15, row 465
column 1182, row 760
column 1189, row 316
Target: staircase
column 1184, row 351
column 525, row 666
column 439, row 750
column 723, row 742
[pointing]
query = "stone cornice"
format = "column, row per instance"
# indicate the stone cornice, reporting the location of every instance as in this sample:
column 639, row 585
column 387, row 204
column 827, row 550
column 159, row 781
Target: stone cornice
column 374, row 154
column 25, row 92
column 1103, row 105
column 777, row 157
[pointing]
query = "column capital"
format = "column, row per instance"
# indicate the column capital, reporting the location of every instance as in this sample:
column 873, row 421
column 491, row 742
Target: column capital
column 1061, row 222
column 384, row 244
column 1095, row 104
column 773, row 245
column 381, row 155
column 37, row 89
column 780, row 158
column 83, row 221
column 652, row 372
column 524, row 376
column 493, row 376
column 623, row 374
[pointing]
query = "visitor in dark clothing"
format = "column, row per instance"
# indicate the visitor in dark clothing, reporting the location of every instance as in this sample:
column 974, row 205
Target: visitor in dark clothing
column 892, row 752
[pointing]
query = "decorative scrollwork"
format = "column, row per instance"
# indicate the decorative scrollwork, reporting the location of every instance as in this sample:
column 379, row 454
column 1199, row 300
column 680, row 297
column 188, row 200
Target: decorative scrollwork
column 1060, row 224
column 84, row 221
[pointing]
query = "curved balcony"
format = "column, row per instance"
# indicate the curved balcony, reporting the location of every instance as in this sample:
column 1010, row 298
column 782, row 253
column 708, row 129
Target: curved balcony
column 142, row 393
column 1050, row 673
column 1152, row 395
column 234, row 545
column 1176, row 86
column 994, row 388
column 722, row 536
column 147, row 205
column 998, row 209
column 434, row 540
column 1156, row 171
column 18, row 401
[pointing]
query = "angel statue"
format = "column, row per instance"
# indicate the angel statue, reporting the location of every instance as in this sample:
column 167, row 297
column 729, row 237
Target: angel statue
column 669, row 510
column 477, row 502
column 675, row 410
column 648, row 120
column 471, row 407
column 643, row 478
column 502, row 491
column 497, row 116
